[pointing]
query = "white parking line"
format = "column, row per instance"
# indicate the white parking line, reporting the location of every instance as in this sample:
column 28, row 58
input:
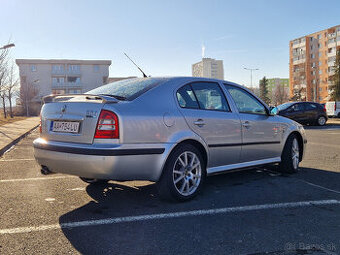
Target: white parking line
column 109, row 221
column 39, row 178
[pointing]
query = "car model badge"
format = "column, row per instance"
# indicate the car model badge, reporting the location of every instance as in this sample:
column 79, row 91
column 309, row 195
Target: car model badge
column 91, row 114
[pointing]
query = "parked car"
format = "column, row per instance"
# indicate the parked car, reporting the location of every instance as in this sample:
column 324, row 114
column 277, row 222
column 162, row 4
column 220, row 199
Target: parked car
column 303, row 112
column 333, row 109
column 173, row 131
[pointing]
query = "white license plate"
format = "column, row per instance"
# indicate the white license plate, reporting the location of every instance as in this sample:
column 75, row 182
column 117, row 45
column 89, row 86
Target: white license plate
column 65, row 126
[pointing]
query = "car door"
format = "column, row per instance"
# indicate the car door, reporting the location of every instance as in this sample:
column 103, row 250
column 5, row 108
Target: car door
column 207, row 112
column 311, row 112
column 296, row 112
column 260, row 131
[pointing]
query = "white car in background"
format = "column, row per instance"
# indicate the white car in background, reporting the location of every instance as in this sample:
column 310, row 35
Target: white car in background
column 333, row 109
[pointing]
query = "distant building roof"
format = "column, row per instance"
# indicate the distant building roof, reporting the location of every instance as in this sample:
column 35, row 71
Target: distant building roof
column 63, row 61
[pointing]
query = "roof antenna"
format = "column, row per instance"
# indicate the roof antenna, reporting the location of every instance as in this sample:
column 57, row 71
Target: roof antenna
column 144, row 75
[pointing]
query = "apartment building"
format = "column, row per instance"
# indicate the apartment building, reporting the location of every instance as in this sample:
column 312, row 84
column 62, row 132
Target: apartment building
column 311, row 64
column 209, row 68
column 62, row 76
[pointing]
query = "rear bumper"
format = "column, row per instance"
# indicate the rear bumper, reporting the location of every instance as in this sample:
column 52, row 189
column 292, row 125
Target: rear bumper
column 103, row 161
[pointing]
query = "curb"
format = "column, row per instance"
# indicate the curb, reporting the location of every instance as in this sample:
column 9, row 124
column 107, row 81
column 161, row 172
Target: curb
column 15, row 141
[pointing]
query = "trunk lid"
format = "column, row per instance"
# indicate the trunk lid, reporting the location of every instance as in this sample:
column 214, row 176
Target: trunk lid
column 72, row 118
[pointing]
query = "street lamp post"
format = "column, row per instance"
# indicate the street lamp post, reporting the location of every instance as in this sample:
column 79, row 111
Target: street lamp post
column 7, row 46
column 251, row 74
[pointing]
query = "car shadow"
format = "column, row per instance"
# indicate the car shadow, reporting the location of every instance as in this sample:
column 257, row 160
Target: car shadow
column 113, row 200
column 327, row 126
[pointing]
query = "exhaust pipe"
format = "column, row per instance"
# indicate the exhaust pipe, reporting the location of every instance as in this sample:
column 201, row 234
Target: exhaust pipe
column 45, row 171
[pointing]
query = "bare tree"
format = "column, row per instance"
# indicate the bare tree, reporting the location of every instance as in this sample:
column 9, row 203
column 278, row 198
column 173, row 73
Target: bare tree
column 3, row 78
column 280, row 95
column 27, row 93
column 11, row 88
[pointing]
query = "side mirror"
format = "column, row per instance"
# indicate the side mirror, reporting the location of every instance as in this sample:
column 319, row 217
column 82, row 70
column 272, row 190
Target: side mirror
column 274, row 111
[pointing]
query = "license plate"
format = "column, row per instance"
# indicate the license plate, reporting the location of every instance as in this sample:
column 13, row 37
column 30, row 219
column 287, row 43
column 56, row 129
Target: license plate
column 65, row 126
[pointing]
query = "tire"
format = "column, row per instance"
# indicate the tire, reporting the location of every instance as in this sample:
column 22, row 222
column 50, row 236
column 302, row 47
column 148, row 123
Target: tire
column 321, row 121
column 290, row 157
column 183, row 175
column 93, row 181
column 338, row 116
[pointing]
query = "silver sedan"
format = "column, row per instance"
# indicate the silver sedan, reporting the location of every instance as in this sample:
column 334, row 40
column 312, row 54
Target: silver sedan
column 173, row 131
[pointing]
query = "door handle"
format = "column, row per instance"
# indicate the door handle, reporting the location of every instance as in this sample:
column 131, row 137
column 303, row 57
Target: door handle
column 246, row 124
column 199, row 123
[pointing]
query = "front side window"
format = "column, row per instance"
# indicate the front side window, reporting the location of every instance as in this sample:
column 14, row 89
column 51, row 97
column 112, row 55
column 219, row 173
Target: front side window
column 245, row 102
column 186, row 97
column 296, row 108
column 210, row 96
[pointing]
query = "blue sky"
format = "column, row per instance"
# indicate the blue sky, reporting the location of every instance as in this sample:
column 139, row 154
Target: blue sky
column 166, row 37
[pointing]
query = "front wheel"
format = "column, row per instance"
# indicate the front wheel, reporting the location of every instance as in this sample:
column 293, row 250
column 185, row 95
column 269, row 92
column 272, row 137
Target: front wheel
column 290, row 157
column 183, row 174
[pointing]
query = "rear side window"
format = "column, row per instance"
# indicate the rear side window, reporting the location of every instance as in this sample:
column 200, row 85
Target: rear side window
column 310, row 107
column 186, row 97
column 128, row 89
column 210, row 96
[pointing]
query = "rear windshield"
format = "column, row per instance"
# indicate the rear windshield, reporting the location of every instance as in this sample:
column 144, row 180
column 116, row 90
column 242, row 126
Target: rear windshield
column 128, row 89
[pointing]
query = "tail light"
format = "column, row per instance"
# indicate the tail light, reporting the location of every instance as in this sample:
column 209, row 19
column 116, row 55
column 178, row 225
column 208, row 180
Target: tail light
column 107, row 126
column 334, row 106
column 324, row 108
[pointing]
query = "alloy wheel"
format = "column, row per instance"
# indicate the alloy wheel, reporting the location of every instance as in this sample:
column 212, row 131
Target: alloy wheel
column 187, row 173
column 295, row 153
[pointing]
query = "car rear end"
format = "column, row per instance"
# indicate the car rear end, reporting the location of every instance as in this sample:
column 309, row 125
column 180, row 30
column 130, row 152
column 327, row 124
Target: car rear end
column 82, row 135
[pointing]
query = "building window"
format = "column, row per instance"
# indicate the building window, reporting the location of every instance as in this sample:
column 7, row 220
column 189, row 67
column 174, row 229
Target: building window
column 73, row 68
column 320, row 71
column 33, row 68
column 96, row 68
column 73, row 79
column 58, row 80
column 319, row 63
column 312, row 55
column 58, row 68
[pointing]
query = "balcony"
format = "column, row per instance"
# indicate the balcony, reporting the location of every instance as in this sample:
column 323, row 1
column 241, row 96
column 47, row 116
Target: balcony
column 58, row 71
column 73, row 72
column 331, row 54
column 298, row 45
column 67, row 85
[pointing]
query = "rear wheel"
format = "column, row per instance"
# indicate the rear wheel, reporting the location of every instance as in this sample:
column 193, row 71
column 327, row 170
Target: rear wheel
column 93, row 181
column 321, row 121
column 183, row 175
column 290, row 158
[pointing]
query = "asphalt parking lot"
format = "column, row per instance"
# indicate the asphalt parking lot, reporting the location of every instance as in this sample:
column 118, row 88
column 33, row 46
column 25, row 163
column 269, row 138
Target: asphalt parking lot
column 257, row 211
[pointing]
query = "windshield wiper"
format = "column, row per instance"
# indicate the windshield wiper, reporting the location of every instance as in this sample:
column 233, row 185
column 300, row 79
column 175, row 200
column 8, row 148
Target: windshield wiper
column 115, row 96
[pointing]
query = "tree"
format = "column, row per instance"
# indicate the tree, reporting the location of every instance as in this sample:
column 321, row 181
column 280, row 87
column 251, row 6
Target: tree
column 11, row 88
column 264, row 90
column 3, row 78
column 27, row 93
column 297, row 95
column 335, row 79
column 279, row 95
